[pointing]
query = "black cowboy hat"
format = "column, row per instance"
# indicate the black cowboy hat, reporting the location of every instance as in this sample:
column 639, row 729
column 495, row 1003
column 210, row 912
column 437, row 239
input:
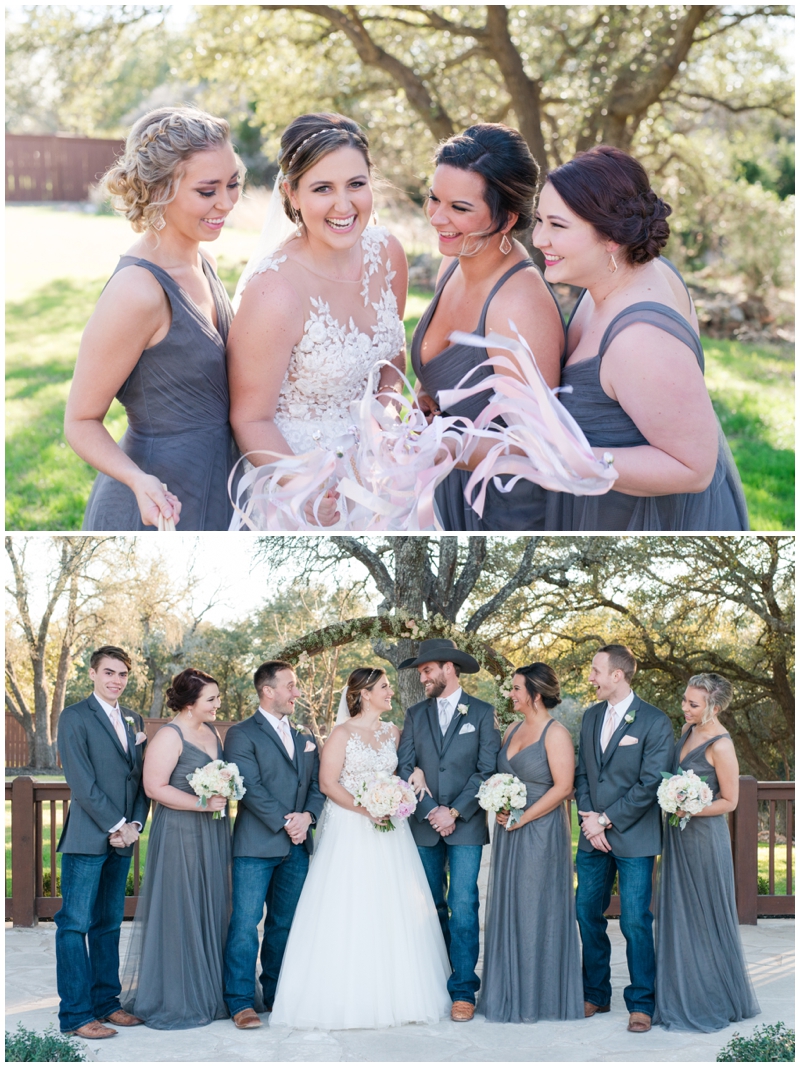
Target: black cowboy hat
column 441, row 650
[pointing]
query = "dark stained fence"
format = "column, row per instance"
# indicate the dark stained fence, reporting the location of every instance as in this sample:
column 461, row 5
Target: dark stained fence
column 56, row 166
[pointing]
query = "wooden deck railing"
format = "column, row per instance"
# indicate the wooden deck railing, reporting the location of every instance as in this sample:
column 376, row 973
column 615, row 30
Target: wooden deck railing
column 35, row 828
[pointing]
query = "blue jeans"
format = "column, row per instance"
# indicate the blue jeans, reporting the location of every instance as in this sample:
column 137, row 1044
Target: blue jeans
column 92, row 909
column 595, row 878
column 457, row 908
column 276, row 882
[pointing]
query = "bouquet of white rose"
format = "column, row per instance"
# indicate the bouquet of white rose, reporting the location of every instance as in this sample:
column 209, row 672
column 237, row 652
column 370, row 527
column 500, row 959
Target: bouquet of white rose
column 217, row 779
column 684, row 791
column 503, row 792
column 386, row 797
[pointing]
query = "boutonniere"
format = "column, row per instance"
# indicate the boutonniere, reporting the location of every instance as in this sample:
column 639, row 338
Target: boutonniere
column 630, row 716
column 462, row 709
column 130, row 722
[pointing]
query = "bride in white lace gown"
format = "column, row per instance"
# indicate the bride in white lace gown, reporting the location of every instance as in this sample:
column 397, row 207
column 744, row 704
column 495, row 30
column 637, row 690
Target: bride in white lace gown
column 366, row 949
column 321, row 301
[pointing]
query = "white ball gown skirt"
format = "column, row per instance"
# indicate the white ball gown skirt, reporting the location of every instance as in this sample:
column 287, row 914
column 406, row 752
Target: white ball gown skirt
column 366, row 949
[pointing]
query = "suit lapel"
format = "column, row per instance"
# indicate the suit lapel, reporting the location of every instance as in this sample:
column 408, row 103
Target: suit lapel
column 619, row 733
column 456, row 723
column 105, row 722
column 597, row 732
column 130, row 733
column 433, row 720
column 272, row 738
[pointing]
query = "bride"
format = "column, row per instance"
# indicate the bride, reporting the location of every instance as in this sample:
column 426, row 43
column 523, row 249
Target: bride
column 366, row 948
column 322, row 301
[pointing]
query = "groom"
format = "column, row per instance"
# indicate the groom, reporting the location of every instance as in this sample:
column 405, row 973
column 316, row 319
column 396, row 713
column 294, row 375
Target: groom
column 271, row 838
column 101, row 746
column 625, row 745
column 455, row 739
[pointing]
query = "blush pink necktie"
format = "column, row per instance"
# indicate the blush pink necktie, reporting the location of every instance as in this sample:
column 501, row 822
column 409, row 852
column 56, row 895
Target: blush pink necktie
column 120, row 729
column 608, row 728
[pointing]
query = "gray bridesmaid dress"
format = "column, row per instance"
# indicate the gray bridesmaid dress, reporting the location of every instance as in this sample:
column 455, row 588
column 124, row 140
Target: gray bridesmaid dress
column 531, row 956
column 523, row 508
column 176, row 399
column 172, row 978
column 701, row 975
column 721, row 506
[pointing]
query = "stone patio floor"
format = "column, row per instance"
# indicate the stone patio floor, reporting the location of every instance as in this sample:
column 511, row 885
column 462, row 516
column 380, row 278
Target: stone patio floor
column 769, row 947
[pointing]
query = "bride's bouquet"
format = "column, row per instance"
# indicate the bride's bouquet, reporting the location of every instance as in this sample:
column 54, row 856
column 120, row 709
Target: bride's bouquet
column 217, row 779
column 503, row 792
column 684, row 791
column 386, row 797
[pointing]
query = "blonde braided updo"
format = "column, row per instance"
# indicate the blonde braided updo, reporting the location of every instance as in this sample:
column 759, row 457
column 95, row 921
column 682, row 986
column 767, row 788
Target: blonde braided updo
column 146, row 177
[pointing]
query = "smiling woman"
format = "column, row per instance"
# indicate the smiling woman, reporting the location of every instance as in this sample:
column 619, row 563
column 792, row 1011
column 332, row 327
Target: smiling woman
column 157, row 337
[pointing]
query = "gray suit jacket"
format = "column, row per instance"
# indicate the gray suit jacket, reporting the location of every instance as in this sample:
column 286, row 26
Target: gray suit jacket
column 106, row 781
column 276, row 785
column 454, row 766
column 623, row 780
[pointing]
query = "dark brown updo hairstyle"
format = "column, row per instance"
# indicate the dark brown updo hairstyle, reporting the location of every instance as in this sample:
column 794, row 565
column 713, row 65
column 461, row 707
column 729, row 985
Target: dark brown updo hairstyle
column 362, row 678
column 308, row 139
column 187, row 687
column 541, row 680
column 611, row 190
column 501, row 156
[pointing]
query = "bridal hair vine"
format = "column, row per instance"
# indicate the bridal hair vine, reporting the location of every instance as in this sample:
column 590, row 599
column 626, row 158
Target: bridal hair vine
column 311, row 136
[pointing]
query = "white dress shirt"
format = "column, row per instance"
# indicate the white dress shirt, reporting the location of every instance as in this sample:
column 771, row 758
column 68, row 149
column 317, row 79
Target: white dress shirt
column 279, row 726
column 446, row 706
column 618, row 713
column 114, row 713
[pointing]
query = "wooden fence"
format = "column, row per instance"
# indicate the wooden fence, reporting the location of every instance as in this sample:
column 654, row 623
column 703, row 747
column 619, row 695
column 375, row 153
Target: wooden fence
column 56, row 166
column 35, row 829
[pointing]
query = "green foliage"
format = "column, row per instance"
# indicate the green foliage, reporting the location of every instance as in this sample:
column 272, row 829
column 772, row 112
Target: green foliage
column 27, row 1046
column 763, row 886
column 767, row 1044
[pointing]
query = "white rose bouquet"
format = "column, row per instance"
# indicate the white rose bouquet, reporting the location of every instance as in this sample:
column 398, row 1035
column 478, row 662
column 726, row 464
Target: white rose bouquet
column 503, row 792
column 684, row 791
column 217, row 779
column 386, row 797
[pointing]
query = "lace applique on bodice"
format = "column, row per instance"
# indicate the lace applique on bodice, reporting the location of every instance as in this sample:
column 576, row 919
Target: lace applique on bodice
column 361, row 759
column 328, row 368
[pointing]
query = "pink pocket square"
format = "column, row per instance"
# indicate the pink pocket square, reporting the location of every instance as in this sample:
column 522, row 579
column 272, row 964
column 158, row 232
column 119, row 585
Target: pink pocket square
column 626, row 739
column 310, row 747
column 141, row 738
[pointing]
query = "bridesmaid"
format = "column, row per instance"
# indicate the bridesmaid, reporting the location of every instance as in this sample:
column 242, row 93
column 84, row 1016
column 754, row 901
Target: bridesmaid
column 156, row 339
column 701, row 975
column 481, row 196
column 531, row 962
column 634, row 360
column 173, row 970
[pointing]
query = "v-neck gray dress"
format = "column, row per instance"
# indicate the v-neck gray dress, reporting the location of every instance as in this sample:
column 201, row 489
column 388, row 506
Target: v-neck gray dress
column 177, row 403
column 531, row 956
column 701, row 975
column 721, row 506
column 172, row 978
column 523, row 507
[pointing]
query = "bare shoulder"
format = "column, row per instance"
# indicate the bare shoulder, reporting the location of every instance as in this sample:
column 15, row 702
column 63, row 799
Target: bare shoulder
column 558, row 734
column 211, row 260
column 723, row 747
column 395, row 250
column 134, row 290
column 166, row 740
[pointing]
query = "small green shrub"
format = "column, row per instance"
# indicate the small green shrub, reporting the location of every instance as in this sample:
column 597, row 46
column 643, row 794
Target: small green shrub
column 26, row 1046
column 763, row 886
column 767, row 1044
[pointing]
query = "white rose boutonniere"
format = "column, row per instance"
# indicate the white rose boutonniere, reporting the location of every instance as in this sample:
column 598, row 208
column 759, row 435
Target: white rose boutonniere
column 630, row 716
column 462, row 709
column 130, row 722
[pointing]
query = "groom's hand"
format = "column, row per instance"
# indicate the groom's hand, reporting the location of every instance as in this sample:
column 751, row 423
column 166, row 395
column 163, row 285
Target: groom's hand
column 591, row 824
column 441, row 820
column 297, row 824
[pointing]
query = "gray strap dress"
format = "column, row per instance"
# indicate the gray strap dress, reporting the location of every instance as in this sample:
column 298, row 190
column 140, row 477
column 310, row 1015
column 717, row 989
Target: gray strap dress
column 701, row 975
column 523, row 508
column 172, row 977
column 531, row 956
column 606, row 424
column 177, row 403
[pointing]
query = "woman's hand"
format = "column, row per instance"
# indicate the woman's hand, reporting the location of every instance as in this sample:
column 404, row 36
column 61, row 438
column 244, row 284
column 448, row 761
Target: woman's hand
column 502, row 817
column 216, row 803
column 417, row 782
column 681, row 814
column 153, row 500
column 427, row 405
column 327, row 511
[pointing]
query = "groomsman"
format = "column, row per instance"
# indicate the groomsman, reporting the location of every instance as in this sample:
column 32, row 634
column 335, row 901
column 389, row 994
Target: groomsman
column 455, row 739
column 101, row 746
column 271, row 839
column 625, row 744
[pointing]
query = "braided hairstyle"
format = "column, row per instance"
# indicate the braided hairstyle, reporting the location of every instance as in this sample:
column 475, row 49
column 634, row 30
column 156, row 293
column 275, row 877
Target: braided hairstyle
column 308, row 139
column 362, row 678
column 611, row 190
column 146, row 177
column 500, row 155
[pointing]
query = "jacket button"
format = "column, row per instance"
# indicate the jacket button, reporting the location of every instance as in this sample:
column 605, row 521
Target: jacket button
column 601, row 779
column 441, row 769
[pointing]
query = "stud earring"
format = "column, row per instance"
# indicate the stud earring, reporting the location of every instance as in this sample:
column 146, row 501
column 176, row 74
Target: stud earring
column 298, row 222
column 612, row 266
column 505, row 245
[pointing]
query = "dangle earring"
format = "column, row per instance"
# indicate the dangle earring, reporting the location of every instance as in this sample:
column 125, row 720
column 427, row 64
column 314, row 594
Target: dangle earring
column 612, row 266
column 298, row 222
column 505, row 245
column 374, row 220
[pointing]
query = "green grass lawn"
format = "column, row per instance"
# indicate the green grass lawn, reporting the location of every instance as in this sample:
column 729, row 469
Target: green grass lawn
column 47, row 485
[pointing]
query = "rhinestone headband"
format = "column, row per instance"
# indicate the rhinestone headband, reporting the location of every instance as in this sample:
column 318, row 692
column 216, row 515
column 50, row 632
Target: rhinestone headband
column 311, row 136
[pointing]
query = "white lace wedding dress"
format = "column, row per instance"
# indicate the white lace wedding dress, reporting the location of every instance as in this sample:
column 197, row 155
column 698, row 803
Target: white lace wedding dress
column 365, row 950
